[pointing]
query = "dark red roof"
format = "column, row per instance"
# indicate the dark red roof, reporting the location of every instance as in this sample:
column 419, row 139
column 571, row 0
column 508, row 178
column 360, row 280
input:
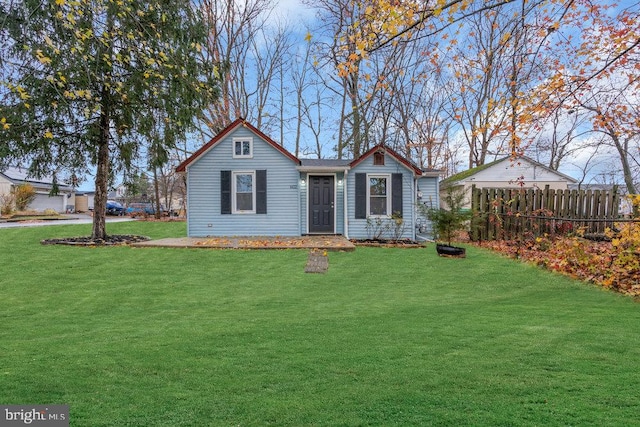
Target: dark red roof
column 238, row 122
column 409, row 164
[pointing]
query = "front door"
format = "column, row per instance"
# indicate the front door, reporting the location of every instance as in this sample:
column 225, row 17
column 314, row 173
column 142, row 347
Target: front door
column 321, row 204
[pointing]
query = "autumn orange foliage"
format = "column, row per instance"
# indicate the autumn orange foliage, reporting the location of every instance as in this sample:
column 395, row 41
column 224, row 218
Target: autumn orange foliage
column 613, row 264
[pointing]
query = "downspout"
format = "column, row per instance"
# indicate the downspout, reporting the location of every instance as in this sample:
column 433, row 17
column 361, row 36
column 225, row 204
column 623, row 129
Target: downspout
column 414, row 207
column 299, row 187
column 185, row 203
column 344, row 204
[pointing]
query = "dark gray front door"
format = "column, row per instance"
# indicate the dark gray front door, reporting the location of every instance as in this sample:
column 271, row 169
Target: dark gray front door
column 321, row 209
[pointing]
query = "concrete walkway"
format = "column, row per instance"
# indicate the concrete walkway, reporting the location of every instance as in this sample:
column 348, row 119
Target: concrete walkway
column 327, row 243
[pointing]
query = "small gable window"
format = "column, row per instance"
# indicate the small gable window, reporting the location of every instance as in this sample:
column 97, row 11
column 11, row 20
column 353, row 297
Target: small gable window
column 378, row 158
column 242, row 148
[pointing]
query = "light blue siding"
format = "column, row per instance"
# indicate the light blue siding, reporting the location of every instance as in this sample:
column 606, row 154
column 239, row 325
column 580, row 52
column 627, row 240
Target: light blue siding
column 428, row 186
column 358, row 228
column 203, row 191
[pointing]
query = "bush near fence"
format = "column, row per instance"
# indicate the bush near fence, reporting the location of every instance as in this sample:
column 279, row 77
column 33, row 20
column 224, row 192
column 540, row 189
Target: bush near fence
column 541, row 237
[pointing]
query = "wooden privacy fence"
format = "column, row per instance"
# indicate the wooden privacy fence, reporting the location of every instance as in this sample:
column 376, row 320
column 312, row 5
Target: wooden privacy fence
column 512, row 213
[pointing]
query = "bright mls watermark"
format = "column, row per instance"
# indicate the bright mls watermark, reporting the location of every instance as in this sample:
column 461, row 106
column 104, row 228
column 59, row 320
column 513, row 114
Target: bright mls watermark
column 34, row 415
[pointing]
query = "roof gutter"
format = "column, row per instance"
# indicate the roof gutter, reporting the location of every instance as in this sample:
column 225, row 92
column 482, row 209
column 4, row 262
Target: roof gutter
column 323, row 168
column 432, row 173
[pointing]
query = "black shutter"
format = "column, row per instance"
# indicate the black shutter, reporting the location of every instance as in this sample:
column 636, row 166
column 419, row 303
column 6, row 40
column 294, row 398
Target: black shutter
column 225, row 192
column 261, row 191
column 396, row 194
column 361, row 195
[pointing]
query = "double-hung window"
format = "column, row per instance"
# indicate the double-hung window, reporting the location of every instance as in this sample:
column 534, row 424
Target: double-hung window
column 244, row 192
column 242, row 148
column 379, row 200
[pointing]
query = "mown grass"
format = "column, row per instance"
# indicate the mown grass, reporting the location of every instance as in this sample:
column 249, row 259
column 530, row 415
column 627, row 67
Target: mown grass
column 180, row 337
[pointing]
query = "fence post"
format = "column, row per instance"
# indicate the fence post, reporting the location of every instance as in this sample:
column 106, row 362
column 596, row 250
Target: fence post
column 615, row 204
column 475, row 214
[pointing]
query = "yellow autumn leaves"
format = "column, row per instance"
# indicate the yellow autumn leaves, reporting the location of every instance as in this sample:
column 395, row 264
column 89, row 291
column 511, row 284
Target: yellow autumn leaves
column 376, row 23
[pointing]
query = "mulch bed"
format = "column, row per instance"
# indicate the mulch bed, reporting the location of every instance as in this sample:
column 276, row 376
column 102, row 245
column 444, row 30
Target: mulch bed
column 382, row 243
column 111, row 240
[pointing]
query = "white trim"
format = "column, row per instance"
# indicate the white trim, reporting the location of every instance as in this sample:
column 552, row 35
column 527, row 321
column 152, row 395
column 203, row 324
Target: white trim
column 345, row 225
column 335, row 193
column 321, row 169
column 240, row 139
column 234, row 209
column 414, row 206
column 387, row 176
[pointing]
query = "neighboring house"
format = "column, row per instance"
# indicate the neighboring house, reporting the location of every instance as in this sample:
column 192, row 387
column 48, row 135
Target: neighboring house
column 14, row 176
column 508, row 172
column 243, row 183
column 119, row 194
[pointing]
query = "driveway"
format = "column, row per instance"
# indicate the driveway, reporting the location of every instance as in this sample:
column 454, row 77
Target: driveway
column 68, row 219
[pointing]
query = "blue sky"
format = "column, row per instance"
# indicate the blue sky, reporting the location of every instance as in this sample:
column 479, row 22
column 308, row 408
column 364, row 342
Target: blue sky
column 297, row 13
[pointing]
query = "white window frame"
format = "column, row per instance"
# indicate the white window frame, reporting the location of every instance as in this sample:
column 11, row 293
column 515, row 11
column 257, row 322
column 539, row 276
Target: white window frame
column 388, row 195
column 248, row 140
column 234, row 193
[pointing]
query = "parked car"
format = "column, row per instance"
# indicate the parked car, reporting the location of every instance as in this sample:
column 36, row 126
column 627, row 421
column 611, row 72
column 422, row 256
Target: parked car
column 114, row 208
column 135, row 209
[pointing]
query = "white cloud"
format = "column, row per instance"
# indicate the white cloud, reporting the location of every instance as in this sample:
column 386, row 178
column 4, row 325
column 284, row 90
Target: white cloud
column 292, row 11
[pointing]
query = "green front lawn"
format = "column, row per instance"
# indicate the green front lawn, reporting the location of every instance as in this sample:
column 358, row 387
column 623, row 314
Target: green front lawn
column 181, row 337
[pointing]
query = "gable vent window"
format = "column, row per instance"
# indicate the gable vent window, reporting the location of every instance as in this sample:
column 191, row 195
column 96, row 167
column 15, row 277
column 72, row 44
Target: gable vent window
column 242, row 148
column 378, row 158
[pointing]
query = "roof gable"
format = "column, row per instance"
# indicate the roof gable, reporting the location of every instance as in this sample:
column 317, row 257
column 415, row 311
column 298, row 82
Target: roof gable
column 474, row 172
column 18, row 175
column 227, row 131
column 388, row 150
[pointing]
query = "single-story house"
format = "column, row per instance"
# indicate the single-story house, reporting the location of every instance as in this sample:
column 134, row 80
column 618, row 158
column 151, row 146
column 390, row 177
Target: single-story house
column 11, row 177
column 243, row 183
column 508, row 172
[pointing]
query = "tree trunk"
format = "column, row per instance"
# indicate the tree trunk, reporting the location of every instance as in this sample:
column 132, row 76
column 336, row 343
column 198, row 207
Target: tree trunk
column 156, row 190
column 99, row 230
column 355, row 111
column 102, row 177
column 624, row 160
column 341, row 143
